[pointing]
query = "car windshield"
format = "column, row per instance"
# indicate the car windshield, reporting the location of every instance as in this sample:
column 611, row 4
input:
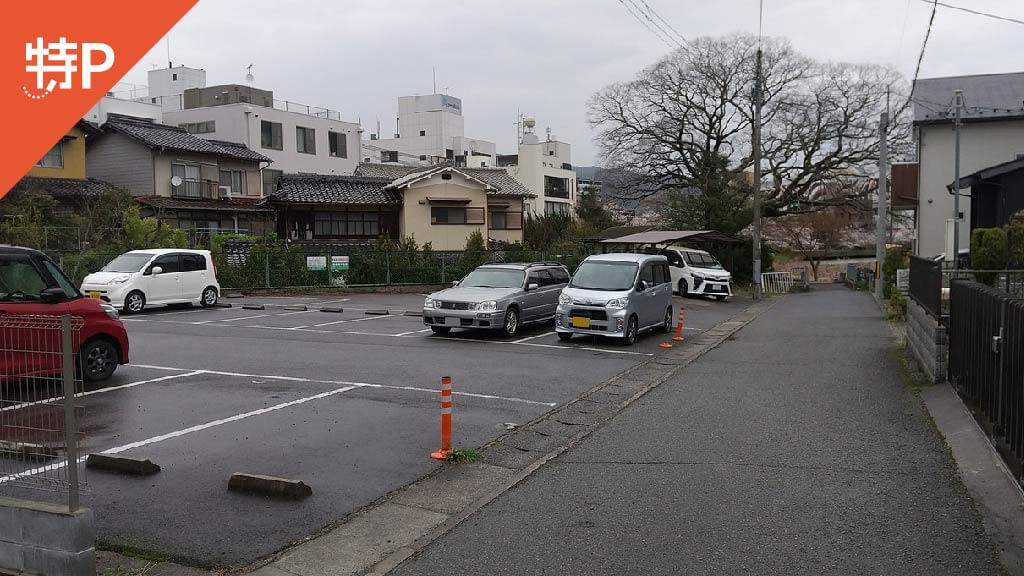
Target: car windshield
column 494, row 278
column 131, row 262
column 605, row 276
column 702, row 260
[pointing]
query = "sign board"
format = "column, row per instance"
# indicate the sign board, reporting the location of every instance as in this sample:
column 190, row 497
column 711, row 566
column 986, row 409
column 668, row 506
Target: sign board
column 903, row 279
column 316, row 263
column 339, row 263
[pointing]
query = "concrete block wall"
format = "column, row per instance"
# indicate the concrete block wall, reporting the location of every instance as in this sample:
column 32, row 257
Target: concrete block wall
column 40, row 538
column 927, row 341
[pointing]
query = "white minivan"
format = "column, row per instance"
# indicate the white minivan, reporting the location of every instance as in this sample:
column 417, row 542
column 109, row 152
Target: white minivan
column 162, row 276
column 697, row 273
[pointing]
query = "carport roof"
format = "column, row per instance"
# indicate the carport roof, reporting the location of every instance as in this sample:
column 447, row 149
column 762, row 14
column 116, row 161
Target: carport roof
column 669, row 236
column 331, row 189
column 986, row 173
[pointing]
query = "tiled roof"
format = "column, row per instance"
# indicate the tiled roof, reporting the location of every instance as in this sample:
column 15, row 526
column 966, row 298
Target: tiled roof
column 225, row 204
column 985, row 96
column 61, row 188
column 157, row 135
column 330, row 189
column 502, row 183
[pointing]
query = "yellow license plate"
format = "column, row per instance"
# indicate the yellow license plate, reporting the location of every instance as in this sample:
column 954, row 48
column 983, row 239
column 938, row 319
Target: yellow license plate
column 578, row 322
column 94, row 295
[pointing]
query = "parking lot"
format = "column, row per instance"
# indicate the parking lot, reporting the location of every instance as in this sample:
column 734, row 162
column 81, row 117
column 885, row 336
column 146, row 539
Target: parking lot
column 346, row 402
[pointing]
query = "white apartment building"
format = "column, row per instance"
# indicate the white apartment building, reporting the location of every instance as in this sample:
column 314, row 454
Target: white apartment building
column 111, row 104
column 430, row 129
column 545, row 167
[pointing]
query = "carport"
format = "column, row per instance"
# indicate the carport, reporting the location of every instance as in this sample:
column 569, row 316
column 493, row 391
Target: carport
column 646, row 240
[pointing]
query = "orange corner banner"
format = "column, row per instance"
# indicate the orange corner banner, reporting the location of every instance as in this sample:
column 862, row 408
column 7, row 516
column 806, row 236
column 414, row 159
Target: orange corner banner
column 57, row 59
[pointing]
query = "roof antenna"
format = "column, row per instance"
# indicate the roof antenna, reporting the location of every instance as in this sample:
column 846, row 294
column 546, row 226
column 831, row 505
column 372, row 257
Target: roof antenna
column 169, row 65
column 249, row 78
column 434, row 74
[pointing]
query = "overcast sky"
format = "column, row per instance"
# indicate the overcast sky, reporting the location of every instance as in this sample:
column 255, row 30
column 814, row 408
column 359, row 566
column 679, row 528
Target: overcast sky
column 544, row 57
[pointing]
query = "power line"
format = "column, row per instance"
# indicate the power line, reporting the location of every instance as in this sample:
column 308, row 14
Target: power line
column 920, row 56
column 658, row 16
column 976, row 12
column 656, row 25
column 646, row 25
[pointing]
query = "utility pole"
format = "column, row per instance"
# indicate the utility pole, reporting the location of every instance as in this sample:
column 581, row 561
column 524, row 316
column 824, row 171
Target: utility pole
column 882, row 225
column 958, row 99
column 757, row 179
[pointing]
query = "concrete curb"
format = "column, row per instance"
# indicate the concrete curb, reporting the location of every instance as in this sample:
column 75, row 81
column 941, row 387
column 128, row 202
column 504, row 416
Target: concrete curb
column 332, row 309
column 253, row 307
column 281, row 488
column 121, row 465
column 377, row 313
column 297, row 307
column 506, row 464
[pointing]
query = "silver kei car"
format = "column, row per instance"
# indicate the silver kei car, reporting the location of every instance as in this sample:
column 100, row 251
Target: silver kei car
column 498, row 297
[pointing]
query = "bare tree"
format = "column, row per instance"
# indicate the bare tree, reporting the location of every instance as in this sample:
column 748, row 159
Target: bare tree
column 671, row 124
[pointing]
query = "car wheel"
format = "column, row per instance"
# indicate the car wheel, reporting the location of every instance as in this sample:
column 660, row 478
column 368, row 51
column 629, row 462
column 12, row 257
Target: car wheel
column 632, row 327
column 565, row 336
column 684, row 288
column 209, row 297
column 666, row 324
column 511, row 326
column 134, row 302
column 440, row 329
column 97, row 359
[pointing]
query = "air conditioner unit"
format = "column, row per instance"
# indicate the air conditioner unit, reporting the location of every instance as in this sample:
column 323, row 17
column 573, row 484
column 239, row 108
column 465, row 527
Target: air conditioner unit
column 225, row 191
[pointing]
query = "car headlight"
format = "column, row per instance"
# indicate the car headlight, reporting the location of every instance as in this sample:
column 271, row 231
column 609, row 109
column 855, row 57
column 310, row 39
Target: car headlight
column 565, row 300
column 617, row 303
column 488, row 306
column 429, row 303
column 110, row 310
column 120, row 279
column 697, row 276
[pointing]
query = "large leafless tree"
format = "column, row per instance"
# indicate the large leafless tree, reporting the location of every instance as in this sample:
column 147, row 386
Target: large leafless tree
column 670, row 125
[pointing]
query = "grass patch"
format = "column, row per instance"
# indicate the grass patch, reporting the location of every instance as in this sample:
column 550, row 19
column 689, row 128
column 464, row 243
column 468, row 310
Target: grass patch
column 463, row 455
column 125, row 571
column 911, row 375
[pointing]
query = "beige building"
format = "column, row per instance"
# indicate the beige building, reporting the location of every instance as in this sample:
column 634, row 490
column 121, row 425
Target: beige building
column 440, row 204
column 545, row 168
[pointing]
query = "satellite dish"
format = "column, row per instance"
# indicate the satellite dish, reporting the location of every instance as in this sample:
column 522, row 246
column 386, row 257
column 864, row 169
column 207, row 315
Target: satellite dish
column 175, row 180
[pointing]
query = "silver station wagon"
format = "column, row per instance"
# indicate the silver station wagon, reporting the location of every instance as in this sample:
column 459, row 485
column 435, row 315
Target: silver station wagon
column 498, row 297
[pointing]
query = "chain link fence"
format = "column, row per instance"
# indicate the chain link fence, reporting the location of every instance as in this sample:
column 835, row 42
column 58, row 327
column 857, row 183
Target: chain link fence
column 39, row 435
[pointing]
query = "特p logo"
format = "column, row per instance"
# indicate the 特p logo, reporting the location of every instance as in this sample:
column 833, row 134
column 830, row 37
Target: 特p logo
column 55, row 64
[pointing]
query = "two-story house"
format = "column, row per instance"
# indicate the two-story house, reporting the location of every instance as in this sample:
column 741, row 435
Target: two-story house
column 991, row 134
column 210, row 186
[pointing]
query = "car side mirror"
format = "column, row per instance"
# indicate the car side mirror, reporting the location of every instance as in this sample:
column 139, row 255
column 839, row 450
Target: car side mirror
column 530, row 287
column 455, row 283
column 642, row 285
column 52, row 295
column 156, row 270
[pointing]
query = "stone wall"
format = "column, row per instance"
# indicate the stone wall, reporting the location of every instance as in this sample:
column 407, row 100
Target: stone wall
column 37, row 538
column 927, row 340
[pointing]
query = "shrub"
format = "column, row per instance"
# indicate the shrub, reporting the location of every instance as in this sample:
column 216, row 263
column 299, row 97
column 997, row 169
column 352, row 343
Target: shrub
column 1015, row 240
column 989, row 251
column 896, row 306
column 895, row 258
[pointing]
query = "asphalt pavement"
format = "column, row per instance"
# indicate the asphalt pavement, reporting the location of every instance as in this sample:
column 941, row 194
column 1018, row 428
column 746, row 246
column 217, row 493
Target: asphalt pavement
column 793, row 448
column 346, row 402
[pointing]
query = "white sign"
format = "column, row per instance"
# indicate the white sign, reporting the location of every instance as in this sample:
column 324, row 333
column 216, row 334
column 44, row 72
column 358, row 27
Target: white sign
column 903, row 279
column 339, row 263
column 316, row 262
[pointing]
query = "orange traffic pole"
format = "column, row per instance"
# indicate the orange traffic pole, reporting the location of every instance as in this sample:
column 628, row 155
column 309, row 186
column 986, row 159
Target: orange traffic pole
column 446, row 419
column 679, row 327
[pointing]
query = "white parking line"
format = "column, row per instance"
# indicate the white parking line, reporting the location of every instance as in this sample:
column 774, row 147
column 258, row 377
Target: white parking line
column 289, row 329
column 528, row 338
column 556, row 346
column 355, row 320
column 296, row 312
column 101, row 390
column 330, row 323
column 246, row 317
column 329, row 302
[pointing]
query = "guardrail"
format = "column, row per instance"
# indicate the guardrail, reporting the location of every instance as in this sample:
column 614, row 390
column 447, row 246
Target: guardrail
column 776, row 282
column 986, row 361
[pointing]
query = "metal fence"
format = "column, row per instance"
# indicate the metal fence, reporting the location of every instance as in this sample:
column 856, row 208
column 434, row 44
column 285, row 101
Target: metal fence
column 926, row 284
column 39, row 436
column 930, row 283
column 986, row 360
column 776, row 282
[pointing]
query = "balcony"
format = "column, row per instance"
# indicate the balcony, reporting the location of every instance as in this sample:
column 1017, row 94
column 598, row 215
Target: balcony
column 196, row 190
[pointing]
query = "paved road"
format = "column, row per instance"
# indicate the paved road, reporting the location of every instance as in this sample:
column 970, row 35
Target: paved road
column 793, row 448
column 212, row 392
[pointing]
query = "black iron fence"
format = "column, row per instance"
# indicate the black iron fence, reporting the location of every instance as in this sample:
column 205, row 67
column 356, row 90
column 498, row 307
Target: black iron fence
column 986, row 361
column 926, row 284
column 930, row 283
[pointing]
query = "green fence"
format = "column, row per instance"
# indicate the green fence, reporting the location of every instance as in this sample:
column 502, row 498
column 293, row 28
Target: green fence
column 275, row 268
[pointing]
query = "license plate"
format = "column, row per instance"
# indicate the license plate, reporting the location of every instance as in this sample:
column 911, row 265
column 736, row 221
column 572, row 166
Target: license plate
column 578, row 322
column 452, row 321
column 95, row 295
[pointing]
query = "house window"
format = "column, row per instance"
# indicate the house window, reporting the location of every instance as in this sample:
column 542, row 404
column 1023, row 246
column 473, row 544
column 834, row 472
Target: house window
column 174, row 77
column 346, row 224
column 338, row 144
column 551, row 152
column 501, row 219
column 234, row 180
column 556, row 187
column 305, row 140
column 270, row 135
column 200, row 127
column 423, row 132
column 389, row 156
column 556, row 208
column 423, row 157
column 54, row 158
column 270, row 178
column 456, row 215
column 191, row 184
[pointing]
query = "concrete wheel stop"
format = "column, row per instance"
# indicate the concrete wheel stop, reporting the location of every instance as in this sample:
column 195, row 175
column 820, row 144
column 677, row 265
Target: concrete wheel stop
column 377, row 313
column 121, row 465
column 253, row 307
column 332, row 309
column 270, row 486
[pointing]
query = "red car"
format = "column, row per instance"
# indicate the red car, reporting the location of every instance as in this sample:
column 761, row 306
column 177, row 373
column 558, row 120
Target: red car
column 32, row 286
